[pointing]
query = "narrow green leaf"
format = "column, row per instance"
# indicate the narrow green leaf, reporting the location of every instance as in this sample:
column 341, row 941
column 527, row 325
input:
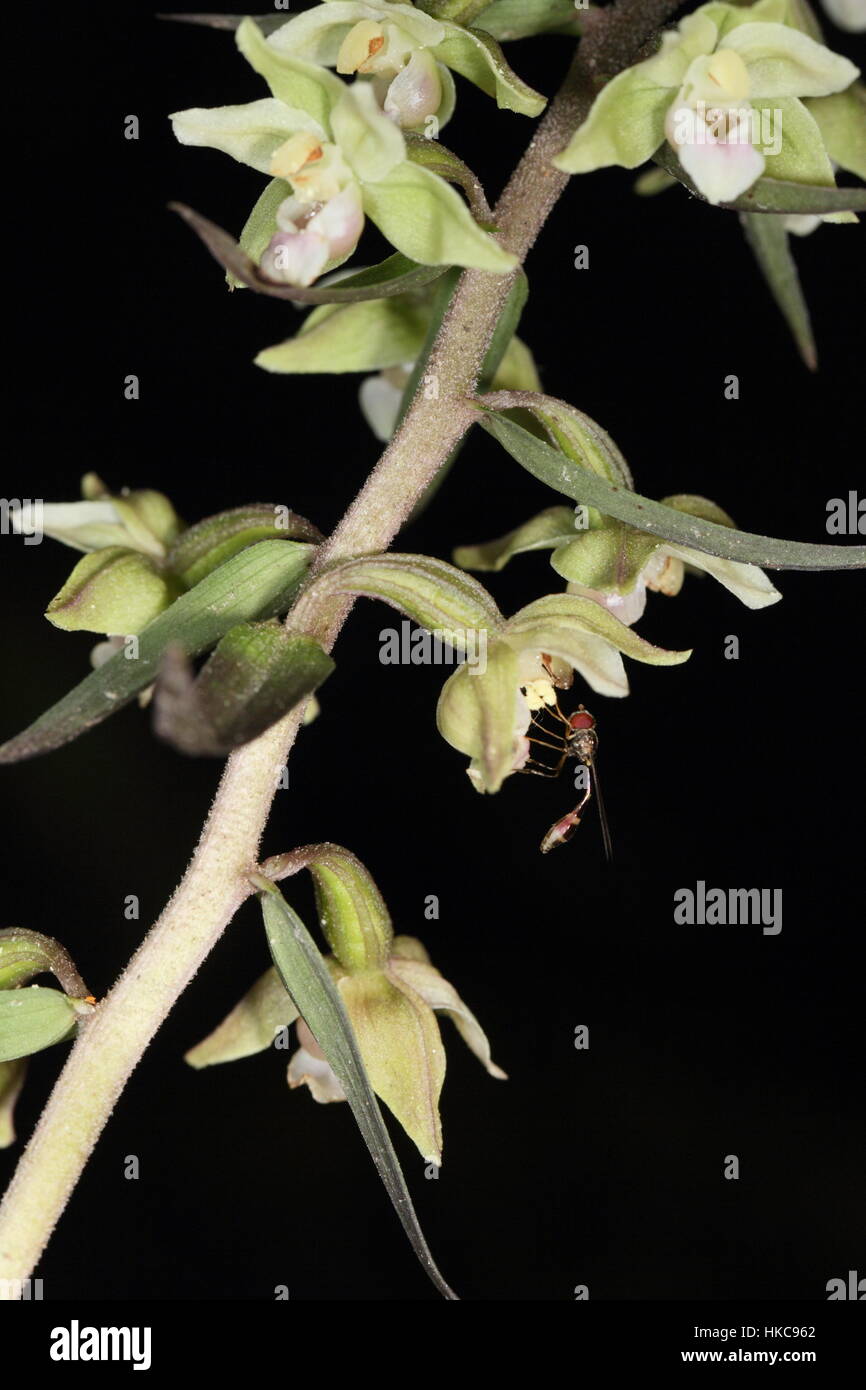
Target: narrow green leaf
column 258, row 583
column 258, row 673
column 559, row 472
column 773, row 195
column 770, row 245
column 395, row 275
column 308, row 981
column 32, row 1019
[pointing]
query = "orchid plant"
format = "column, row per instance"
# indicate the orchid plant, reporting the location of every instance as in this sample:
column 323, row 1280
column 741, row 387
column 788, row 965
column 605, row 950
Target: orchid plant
column 746, row 105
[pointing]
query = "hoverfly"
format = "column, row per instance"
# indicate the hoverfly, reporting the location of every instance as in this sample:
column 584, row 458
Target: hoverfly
column 576, row 738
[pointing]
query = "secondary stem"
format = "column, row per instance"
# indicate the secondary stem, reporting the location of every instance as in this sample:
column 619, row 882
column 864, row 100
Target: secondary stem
column 215, row 884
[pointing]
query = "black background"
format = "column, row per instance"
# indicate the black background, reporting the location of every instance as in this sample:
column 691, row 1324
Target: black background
column 603, row 1167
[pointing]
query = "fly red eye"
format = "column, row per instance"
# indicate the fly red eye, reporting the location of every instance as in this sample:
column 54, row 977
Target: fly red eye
column 581, row 719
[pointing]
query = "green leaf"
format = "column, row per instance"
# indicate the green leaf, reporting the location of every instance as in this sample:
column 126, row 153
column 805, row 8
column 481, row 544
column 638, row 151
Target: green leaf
column 774, row 195
column 396, row 275
column 428, row 591
column 32, row 1019
column 251, row 1026
column 552, row 467
column 292, row 80
column 210, row 543
column 308, row 981
column 477, row 56
column 424, row 218
column 258, row 673
column 361, row 337
column 258, row 583
column 770, row 244
column 439, row 160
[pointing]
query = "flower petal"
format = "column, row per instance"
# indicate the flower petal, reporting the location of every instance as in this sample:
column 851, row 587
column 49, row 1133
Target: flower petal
column 370, row 142
column 783, row 62
column 476, row 714
column 251, row 1026
column 625, row 126
column 425, row 219
column 749, row 583
column 722, row 168
column 841, row 120
column 297, row 83
column 362, row 337
column 251, row 134
column 442, row 997
column 403, row 1054
column 478, row 57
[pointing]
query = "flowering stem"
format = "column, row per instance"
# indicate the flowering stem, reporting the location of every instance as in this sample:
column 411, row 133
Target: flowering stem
column 113, row 1040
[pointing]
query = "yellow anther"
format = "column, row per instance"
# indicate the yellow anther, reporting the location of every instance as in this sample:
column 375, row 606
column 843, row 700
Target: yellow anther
column 297, row 151
column 360, row 44
column 727, row 69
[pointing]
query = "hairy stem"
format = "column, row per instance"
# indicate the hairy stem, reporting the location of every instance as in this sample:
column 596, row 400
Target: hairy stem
column 112, row 1042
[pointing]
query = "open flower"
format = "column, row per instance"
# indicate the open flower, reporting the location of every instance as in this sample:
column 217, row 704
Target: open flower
column 486, row 714
column 725, row 90
column 390, row 991
column 406, row 55
column 615, row 564
column 335, row 158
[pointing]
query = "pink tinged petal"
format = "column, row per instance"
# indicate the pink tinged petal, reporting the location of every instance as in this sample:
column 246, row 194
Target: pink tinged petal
column 442, row 997
column 295, row 258
column 380, row 405
column 309, row 1068
column 722, row 166
column 416, row 92
column 340, row 222
column 627, row 607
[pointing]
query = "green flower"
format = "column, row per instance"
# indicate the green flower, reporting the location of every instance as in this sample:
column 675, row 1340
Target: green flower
column 407, row 56
column 390, row 991
column 615, row 564
column 335, row 159
column 485, row 712
column 727, row 91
